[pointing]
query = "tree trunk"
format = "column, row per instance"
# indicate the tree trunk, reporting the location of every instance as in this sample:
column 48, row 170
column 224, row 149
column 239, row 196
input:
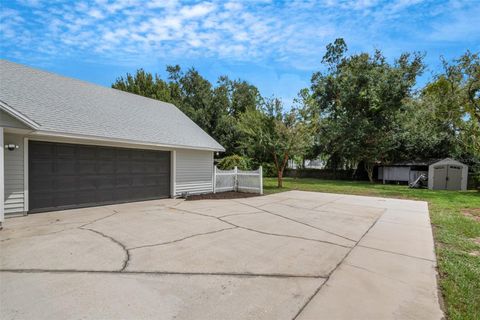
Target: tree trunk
column 280, row 168
column 369, row 169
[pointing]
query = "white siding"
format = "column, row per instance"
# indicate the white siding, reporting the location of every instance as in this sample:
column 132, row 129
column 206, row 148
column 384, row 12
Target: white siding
column 194, row 171
column 396, row 173
column 14, row 180
column 9, row 122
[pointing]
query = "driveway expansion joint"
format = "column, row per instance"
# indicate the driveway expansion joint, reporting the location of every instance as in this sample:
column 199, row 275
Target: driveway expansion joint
column 396, row 253
column 336, row 267
column 166, row 273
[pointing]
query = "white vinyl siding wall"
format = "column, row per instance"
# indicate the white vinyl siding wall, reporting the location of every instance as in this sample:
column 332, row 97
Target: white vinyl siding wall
column 14, row 175
column 9, row 122
column 194, row 171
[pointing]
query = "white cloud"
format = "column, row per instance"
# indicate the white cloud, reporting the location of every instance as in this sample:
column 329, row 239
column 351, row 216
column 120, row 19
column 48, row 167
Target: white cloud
column 95, row 13
column 293, row 33
column 196, row 11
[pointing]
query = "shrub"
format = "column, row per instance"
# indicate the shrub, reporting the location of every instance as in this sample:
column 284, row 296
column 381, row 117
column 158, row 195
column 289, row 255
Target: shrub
column 269, row 169
column 230, row 162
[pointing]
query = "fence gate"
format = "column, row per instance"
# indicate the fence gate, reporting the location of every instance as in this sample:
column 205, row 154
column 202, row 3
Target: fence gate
column 238, row 180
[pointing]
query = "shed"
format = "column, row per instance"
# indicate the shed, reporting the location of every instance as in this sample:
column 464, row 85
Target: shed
column 406, row 171
column 448, row 174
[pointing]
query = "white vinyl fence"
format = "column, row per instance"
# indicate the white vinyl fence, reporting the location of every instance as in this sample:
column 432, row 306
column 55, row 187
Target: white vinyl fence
column 238, row 180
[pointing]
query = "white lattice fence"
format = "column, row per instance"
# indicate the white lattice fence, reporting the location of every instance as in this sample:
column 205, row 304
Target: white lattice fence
column 224, row 180
column 238, row 180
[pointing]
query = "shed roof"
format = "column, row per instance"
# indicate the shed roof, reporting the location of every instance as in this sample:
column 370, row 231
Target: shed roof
column 410, row 163
column 52, row 103
column 449, row 161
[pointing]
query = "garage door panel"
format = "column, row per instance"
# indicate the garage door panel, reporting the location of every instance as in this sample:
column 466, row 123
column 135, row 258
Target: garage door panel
column 42, row 184
column 63, row 199
column 106, row 153
column 65, row 183
column 86, row 152
column 86, row 166
column 40, row 150
column 105, row 195
column 151, row 168
column 41, row 200
column 41, row 166
column 121, row 194
column 106, row 182
column 105, row 167
column 124, row 181
column 85, row 196
column 65, row 166
column 138, row 167
column 65, row 151
column 123, row 154
column 68, row 175
column 123, row 166
column 87, row 182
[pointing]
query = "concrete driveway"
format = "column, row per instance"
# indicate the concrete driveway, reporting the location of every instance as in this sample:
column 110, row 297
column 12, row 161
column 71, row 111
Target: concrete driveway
column 293, row 255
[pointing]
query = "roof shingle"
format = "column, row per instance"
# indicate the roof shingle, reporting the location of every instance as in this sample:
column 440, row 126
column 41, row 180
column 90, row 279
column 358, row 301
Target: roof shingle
column 64, row 105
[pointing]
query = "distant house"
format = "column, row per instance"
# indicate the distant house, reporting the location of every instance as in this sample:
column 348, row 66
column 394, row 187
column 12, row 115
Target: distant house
column 67, row 143
column 406, row 171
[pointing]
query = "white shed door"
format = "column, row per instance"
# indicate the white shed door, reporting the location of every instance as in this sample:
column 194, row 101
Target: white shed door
column 439, row 177
column 454, row 178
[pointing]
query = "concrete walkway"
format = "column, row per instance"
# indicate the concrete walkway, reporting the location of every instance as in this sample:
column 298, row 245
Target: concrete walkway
column 293, row 255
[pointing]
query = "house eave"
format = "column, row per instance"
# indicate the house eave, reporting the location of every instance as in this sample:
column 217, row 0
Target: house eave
column 39, row 134
column 19, row 116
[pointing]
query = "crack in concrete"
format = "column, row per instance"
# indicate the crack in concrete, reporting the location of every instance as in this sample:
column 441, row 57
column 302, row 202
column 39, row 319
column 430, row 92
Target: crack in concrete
column 166, row 273
column 263, row 232
column 334, row 269
column 290, row 236
column 99, row 219
column 181, row 239
column 306, row 224
column 124, row 248
column 239, row 214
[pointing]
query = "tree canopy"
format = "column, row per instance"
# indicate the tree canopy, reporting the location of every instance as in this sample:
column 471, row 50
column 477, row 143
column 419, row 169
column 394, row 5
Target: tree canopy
column 360, row 110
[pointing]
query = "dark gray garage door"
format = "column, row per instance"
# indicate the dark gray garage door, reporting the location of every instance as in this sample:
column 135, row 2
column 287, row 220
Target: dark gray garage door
column 71, row 175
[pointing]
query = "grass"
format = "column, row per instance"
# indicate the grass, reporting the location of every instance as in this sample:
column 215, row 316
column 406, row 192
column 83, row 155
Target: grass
column 455, row 218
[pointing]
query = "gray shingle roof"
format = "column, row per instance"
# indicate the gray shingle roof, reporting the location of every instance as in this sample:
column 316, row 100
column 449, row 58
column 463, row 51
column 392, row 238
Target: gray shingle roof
column 65, row 105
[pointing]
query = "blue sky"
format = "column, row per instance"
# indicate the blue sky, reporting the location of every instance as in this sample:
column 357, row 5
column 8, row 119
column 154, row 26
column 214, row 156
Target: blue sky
column 276, row 45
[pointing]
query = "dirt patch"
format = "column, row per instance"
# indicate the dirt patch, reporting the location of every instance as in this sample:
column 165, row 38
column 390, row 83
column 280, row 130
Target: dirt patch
column 472, row 213
column 475, row 253
column 222, row 195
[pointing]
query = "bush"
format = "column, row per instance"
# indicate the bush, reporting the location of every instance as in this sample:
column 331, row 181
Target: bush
column 269, row 169
column 230, row 162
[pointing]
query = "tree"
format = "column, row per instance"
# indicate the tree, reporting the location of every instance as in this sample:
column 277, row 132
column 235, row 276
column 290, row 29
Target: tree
column 281, row 135
column 144, row 84
column 215, row 109
column 359, row 100
column 308, row 113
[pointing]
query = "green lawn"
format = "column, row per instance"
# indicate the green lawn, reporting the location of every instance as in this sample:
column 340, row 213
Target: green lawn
column 455, row 217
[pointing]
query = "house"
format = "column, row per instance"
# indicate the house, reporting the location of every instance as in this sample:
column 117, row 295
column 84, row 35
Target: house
column 406, row 171
column 68, row 143
column 448, row 174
